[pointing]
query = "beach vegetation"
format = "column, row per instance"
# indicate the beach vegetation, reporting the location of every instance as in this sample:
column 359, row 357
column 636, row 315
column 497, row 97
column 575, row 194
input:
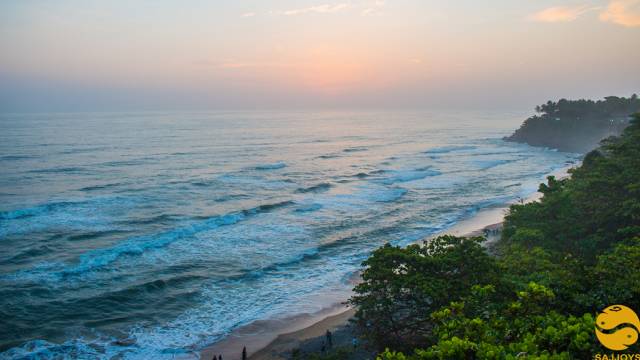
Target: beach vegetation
column 402, row 286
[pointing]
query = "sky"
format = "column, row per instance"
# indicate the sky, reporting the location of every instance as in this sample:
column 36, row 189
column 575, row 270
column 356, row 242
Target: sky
column 121, row 55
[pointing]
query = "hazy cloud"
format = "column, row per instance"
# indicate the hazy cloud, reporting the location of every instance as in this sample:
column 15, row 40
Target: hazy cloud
column 622, row 12
column 246, row 65
column 366, row 8
column 374, row 8
column 324, row 8
column 560, row 13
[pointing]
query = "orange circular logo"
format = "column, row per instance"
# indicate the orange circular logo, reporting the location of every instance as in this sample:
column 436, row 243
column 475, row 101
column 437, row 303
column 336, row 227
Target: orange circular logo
column 622, row 326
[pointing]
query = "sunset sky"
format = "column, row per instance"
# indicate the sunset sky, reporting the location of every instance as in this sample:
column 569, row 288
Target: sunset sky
column 167, row 54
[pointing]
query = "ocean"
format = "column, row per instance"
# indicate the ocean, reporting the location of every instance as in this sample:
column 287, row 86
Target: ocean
column 152, row 235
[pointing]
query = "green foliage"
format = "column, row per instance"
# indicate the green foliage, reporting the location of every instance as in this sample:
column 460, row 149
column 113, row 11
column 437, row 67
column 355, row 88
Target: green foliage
column 560, row 260
column 524, row 327
column 541, row 335
column 391, row 355
column 617, row 277
column 401, row 287
column 563, row 273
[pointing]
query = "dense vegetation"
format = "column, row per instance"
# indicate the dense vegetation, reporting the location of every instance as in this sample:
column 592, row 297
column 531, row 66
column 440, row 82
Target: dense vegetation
column 576, row 125
column 559, row 262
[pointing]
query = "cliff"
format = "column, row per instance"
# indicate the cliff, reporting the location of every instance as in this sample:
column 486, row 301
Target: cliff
column 576, row 125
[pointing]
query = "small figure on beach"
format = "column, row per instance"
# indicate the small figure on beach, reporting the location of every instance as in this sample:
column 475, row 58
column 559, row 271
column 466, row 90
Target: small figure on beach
column 220, row 357
column 354, row 341
column 329, row 339
column 324, row 347
column 244, row 353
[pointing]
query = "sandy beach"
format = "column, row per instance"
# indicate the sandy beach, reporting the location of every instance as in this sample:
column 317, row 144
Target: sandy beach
column 276, row 339
column 303, row 339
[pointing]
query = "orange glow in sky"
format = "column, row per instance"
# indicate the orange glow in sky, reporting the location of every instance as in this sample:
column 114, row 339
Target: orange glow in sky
column 344, row 53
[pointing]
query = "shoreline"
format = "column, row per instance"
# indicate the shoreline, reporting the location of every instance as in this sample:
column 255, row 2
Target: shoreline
column 275, row 339
column 261, row 336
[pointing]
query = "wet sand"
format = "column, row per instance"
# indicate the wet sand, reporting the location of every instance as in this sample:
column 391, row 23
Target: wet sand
column 270, row 334
column 282, row 346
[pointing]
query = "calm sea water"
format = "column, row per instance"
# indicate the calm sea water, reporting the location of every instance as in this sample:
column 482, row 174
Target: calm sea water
column 149, row 235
